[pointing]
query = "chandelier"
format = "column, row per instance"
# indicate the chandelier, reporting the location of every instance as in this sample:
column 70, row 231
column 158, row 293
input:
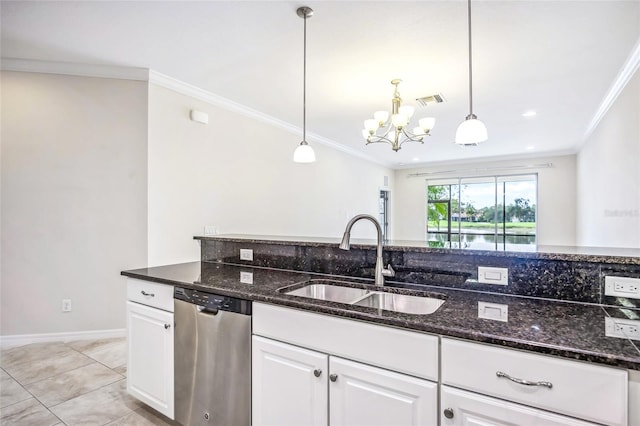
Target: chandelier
column 381, row 129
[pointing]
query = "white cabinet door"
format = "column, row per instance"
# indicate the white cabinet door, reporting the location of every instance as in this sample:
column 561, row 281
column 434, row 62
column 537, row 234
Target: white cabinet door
column 370, row 396
column 150, row 357
column 471, row 409
column 289, row 385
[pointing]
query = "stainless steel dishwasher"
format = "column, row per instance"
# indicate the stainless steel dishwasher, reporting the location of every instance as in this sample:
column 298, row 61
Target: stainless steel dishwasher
column 212, row 354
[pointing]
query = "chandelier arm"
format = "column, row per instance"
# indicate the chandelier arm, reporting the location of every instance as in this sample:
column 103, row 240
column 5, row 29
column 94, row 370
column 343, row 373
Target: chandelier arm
column 380, row 139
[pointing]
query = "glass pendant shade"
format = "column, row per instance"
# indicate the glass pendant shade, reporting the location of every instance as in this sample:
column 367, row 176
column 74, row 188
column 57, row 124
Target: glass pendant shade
column 427, row 123
column 399, row 120
column 381, row 116
column 471, row 131
column 370, row 125
column 407, row 111
column 304, row 153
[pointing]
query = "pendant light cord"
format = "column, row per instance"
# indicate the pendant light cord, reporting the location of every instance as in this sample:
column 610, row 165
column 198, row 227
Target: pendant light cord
column 470, row 61
column 304, row 83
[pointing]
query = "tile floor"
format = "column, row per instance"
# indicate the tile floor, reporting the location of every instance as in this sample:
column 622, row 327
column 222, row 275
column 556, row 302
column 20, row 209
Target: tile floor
column 75, row 383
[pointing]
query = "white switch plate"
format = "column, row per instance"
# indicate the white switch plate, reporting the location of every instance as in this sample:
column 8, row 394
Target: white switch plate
column 246, row 254
column 622, row 328
column 622, row 287
column 487, row 275
column 210, row 230
column 246, row 277
column 66, row 305
column 493, row 311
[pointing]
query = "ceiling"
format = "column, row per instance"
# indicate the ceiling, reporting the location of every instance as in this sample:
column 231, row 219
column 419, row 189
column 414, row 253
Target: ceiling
column 558, row 58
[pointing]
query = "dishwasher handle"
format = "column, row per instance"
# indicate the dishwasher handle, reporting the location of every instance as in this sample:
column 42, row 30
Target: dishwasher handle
column 206, row 311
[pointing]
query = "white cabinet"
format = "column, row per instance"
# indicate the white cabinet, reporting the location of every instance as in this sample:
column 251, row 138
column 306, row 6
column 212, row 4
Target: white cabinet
column 296, row 386
column 461, row 408
column 590, row 392
column 150, row 347
column 368, row 396
column 289, row 386
column 311, row 369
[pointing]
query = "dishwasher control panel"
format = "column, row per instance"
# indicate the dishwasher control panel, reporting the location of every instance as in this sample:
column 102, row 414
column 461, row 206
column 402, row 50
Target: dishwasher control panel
column 213, row 302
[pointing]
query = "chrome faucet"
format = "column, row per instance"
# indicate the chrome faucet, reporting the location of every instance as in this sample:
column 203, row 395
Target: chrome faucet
column 381, row 272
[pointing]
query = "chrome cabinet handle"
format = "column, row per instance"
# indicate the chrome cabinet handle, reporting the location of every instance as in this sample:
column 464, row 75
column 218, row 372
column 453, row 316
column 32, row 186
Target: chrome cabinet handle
column 144, row 293
column 448, row 413
column 317, row 372
column 333, row 377
column 166, row 326
column 524, row 382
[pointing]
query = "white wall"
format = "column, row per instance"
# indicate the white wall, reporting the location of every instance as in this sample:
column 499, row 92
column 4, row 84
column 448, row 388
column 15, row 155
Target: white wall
column 608, row 181
column 555, row 206
column 74, row 200
column 237, row 173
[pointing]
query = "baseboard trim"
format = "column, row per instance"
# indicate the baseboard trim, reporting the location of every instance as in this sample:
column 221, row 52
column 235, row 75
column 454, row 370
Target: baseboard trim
column 25, row 339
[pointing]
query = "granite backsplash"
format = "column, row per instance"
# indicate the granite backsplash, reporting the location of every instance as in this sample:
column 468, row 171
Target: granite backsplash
column 577, row 278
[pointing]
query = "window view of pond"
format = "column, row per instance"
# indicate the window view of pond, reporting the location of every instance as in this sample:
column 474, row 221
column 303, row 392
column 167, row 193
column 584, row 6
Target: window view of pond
column 487, row 213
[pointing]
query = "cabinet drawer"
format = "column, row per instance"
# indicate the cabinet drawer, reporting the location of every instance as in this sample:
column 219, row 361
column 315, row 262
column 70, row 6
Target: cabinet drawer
column 151, row 294
column 399, row 350
column 591, row 392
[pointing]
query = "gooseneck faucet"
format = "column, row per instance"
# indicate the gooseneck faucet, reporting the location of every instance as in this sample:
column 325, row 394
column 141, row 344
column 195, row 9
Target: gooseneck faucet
column 381, row 272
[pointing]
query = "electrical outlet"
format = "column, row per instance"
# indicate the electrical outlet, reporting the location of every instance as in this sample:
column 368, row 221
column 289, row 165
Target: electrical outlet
column 622, row 328
column 622, row 287
column 487, row 275
column 246, row 254
column 493, row 311
column 66, row 305
column 246, row 277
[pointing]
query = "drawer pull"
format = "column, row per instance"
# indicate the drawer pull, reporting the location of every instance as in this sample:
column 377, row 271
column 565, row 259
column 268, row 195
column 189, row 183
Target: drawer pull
column 524, row 382
column 144, row 293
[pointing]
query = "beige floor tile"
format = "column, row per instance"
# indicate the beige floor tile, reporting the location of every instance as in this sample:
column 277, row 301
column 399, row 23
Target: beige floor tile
column 63, row 387
column 98, row 407
column 121, row 370
column 27, row 413
column 31, row 353
column 143, row 416
column 33, row 369
column 111, row 354
column 88, row 345
column 11, row 391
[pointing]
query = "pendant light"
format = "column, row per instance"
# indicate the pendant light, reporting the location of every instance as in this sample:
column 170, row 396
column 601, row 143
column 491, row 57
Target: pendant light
column 471, row 131
column 304, row 153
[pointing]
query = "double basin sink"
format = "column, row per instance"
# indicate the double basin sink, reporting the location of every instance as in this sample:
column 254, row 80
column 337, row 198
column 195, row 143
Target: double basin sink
column 418, row 303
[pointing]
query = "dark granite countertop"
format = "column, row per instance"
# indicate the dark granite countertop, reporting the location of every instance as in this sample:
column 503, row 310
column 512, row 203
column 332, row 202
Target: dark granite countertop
column 628, row 256
column 565, row 329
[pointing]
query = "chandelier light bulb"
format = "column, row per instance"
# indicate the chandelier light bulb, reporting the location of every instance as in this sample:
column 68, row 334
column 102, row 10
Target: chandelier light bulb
column 427, row 123
column 407, row 111
column 381, row 117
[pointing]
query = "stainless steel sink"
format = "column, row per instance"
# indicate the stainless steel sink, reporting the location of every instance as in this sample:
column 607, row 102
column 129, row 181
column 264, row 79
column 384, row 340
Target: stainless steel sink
column 330, row 292
column 342, row 292
column 420, row 305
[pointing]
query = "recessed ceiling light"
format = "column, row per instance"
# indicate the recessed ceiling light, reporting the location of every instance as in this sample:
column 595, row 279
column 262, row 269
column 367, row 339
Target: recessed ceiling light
column 530, row 148
column 415, row 159
column 529, row 114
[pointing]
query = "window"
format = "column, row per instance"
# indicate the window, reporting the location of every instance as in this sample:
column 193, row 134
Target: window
column 484, row 213
column 383, row 212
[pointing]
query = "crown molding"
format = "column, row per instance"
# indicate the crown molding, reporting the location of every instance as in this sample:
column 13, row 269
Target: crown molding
column 76, row 69
column 622, row 79
column 219, row 101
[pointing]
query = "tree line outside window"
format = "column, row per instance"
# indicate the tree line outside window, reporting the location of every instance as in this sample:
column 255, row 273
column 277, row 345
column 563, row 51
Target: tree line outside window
column 485, row 213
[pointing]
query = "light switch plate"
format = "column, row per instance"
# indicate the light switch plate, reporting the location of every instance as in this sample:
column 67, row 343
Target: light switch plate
column 493, row 311
column 490, row 275
column 246, row 254
column 622, row 287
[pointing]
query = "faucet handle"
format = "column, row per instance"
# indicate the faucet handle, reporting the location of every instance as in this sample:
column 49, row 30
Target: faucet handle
column 388, row 272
